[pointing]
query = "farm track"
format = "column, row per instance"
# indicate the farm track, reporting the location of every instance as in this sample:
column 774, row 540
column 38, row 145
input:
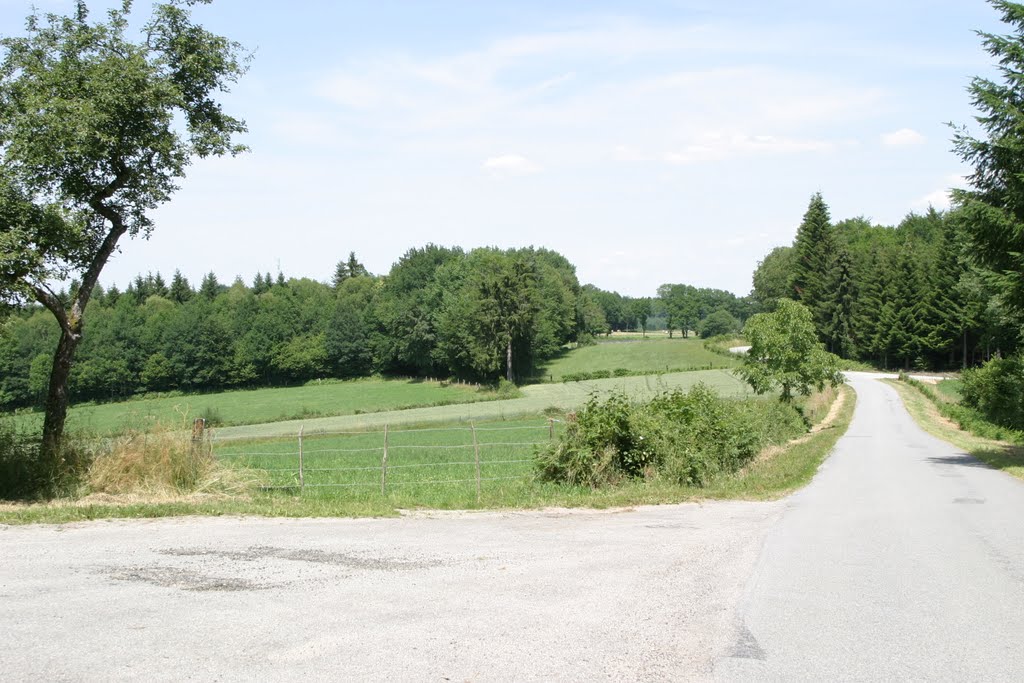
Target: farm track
column 536, row 399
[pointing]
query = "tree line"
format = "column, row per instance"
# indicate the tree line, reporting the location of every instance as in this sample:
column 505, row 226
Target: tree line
column 440, row 312
column 908, row 296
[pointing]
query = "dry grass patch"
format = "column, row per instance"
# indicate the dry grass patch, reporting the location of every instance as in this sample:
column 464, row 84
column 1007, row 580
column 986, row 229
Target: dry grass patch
column 162, row 465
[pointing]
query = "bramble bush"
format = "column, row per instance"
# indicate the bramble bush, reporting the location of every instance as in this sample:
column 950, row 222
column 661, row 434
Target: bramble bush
column 687, row 437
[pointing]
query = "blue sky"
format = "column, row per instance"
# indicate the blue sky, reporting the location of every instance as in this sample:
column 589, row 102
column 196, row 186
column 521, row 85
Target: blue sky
column 649, row 142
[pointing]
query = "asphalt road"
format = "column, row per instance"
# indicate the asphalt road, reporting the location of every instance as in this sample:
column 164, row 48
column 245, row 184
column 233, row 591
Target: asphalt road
column 903, row 560
column 647, row 594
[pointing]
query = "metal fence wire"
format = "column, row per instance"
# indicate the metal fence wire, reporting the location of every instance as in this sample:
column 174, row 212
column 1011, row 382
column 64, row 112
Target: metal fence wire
column 385, row 458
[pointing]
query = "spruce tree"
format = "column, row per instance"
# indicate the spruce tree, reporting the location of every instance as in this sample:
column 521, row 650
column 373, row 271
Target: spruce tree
column 815, row 250
column 355, row 268
column 837, row 308
column 181, row 290
column 158, row 286
column 209, row 288
column 993, row 210
column 341, row 273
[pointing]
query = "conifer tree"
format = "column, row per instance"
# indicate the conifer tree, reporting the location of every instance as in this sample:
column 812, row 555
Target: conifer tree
column 158, row 286
column 180, row 290
column 837, row 308
column 355, row 268
column 814, row 250
column 341, row 273
column 209, row 288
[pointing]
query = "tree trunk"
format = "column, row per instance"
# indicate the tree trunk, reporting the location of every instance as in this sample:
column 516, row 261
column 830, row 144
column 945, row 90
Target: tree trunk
column 508, row 361
column 57, row 395
column 965, row 351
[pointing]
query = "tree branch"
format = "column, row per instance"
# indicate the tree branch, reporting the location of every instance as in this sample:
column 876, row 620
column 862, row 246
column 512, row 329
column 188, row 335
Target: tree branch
column 55, row 306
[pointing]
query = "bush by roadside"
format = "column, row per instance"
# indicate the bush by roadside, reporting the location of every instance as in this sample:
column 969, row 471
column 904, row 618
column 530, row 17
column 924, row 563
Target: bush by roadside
column 688, row 438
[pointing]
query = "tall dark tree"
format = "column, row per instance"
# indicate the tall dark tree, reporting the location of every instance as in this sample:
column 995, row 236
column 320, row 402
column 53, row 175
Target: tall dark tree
column 354, row 267
column 993, row 209
column 838, row 306
column 209, row 288
column 180, row 290
column 814, row 249
column 141, row 111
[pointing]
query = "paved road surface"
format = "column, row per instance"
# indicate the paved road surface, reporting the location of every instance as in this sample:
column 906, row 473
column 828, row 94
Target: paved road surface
column 902, row 560
column 649, row 594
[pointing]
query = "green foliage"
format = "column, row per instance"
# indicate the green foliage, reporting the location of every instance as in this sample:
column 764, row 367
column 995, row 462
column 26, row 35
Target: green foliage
column 689, row 438
column 993, row 210
column 21, row 472
column 719, row 323
column 994, row 390
column 785, row 353
column 773, row 278
column 967, row 416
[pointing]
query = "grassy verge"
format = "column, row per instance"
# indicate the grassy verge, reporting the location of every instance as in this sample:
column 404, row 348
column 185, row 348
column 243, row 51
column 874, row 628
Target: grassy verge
column 927, row 410
column 773, row 474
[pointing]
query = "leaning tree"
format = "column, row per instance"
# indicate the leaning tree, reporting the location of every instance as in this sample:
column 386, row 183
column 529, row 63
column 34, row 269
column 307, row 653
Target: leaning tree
column 96, row 130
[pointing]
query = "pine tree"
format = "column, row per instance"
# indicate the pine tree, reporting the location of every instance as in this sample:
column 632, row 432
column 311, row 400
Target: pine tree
column 259, row 285
column 180, row 290
column 355, row 268
column 158, row 286
column 993, row 210
column 838, row 306
column 209, row 288
column 815, row 250
column 341, row 273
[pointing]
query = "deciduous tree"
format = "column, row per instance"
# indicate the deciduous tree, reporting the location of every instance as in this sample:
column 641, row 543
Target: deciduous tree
column 96, row 130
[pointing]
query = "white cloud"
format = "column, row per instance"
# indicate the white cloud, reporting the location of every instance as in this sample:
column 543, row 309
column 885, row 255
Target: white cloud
column 510, row 164
column 718, row 146
column 939, row 200
column 903, row 138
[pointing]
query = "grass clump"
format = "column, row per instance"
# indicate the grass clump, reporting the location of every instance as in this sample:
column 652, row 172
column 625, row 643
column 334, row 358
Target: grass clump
column 162, row 462
column 688, row 438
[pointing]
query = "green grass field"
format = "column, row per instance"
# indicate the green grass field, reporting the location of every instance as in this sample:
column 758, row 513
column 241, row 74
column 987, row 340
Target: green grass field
column 535, row 400
column 264, row 405
column 653, row 355
column 428, row 465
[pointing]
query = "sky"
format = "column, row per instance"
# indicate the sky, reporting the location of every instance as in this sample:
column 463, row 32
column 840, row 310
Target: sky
column 650, row 142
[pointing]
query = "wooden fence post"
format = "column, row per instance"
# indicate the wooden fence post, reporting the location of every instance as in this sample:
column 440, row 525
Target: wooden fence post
column 476, row 453
column 551, row 428
column 302, row 472
column 384, row 463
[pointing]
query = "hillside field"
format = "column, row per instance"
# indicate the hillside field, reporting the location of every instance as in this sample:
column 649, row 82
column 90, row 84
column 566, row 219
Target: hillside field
column 264, row 405
column 535, row 400
column 649, row 356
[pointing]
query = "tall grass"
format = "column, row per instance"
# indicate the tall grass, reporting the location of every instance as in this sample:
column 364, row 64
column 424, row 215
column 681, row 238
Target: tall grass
column 163, row 462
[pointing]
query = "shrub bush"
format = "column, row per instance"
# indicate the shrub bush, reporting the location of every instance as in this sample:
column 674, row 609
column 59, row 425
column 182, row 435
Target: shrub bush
column 688, row 437
column 994, row 390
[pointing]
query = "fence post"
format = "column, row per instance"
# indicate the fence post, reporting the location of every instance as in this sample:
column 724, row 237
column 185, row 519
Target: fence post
column 384, row 463
column 551, row 428
column 476, row 453
column 198, row 433
column 302, row 472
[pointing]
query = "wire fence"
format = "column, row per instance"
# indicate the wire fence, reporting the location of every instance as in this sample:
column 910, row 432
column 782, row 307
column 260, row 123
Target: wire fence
column 397, row 459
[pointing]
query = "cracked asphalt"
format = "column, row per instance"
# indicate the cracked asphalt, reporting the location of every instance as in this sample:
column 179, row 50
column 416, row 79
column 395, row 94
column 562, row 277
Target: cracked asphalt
column 903, row 560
